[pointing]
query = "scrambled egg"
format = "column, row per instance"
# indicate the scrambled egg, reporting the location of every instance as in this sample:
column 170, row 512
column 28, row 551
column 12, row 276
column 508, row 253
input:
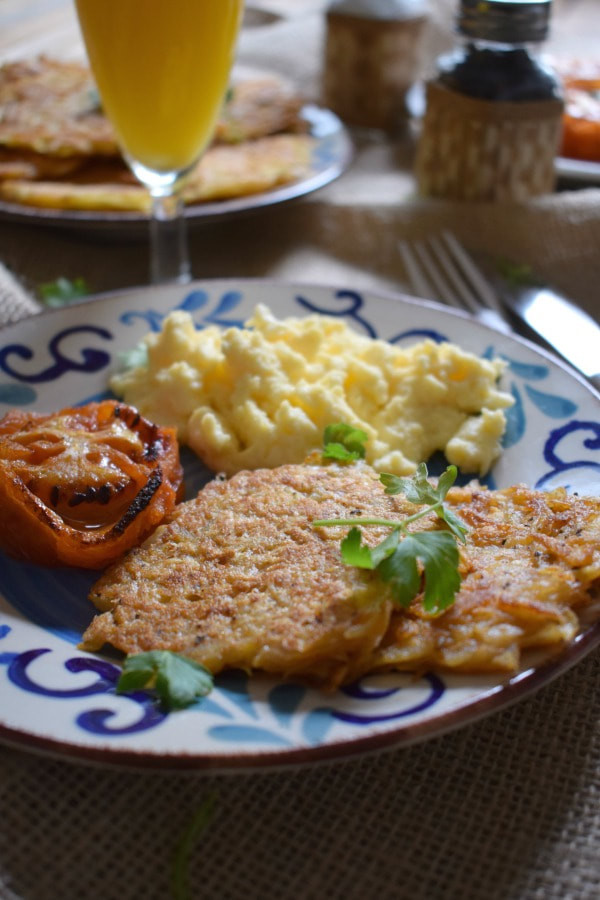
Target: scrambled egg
column 261, row 396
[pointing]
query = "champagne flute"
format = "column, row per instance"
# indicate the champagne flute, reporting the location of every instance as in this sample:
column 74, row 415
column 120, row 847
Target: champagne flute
column 162, row 71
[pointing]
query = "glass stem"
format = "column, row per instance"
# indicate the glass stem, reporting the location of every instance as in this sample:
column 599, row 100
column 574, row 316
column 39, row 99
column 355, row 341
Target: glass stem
column 169, row 259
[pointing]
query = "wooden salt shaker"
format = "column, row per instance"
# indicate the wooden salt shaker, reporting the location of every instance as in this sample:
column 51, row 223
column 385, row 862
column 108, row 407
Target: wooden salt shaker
column 371, row 59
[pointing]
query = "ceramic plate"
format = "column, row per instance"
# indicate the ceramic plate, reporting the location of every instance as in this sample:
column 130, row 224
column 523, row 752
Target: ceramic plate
column 578, row 170
column 58, row 699
column 331, row 155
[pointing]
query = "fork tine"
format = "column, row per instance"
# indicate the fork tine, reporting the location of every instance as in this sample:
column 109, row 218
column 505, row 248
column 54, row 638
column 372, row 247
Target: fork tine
column 423, row 273
column 454, row 275
column 444, row 271
column 443, row 290
column 479, row 282
column 417, row 277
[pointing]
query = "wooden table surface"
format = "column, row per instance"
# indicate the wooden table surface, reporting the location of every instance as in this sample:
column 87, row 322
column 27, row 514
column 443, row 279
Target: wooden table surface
column 381, row 173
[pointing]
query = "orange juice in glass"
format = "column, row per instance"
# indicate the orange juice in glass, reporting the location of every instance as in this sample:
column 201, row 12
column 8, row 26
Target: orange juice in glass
column 162, row 70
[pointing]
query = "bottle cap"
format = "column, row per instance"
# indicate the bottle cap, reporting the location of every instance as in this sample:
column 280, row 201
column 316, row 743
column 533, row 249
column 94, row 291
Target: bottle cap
column 380, row 9
column 505, row 21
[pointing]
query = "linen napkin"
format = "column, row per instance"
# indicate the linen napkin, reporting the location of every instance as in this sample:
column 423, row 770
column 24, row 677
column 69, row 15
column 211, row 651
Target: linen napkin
column 15, row 301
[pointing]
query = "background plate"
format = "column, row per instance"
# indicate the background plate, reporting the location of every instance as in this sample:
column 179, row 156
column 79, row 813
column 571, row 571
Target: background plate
column 55, row 698
column 330, row 157
column 578, row 170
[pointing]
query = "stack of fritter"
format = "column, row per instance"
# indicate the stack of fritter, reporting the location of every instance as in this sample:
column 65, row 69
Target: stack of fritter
column 240, row 577
column 58, row 150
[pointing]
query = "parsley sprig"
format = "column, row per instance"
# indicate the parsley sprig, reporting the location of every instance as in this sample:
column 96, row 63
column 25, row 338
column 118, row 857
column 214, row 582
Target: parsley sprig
column 63, row 291
column 398, row 557
column 177, row 680
column 344, row 442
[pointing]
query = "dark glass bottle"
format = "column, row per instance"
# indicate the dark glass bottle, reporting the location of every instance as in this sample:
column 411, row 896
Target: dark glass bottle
column 499, row 72
column 492, row 100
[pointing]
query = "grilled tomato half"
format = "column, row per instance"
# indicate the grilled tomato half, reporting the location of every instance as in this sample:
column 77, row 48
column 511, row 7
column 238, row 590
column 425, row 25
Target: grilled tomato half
column 81, row 486
column 581, row 119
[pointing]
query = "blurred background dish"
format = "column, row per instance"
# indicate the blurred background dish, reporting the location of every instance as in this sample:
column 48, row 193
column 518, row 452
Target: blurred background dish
column 331, row 154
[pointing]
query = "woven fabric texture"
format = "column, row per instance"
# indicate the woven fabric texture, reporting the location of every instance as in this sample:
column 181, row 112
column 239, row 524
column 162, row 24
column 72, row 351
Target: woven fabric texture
column 15, row 301
column 505, row 808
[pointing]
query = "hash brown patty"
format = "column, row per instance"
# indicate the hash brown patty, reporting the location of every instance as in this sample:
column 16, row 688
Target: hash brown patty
column 52, row 107
column 240, row 578
column 59, row 151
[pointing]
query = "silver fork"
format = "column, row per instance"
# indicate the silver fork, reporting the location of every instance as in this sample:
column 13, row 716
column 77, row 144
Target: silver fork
column 439, row 268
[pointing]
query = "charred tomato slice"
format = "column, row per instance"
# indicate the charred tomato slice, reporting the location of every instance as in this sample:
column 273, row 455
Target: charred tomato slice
column 81, row 486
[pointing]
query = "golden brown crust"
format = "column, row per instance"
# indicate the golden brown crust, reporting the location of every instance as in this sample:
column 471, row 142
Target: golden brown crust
column 259, row 165
column 259, row 106
column 531, row 559
column 58, row 150
column 239, row 577
column 222, row 173
column 81, row 486
column 52, row 107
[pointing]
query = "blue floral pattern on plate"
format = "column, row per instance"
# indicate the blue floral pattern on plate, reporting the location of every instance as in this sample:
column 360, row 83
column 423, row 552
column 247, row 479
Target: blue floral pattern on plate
column 53, row 692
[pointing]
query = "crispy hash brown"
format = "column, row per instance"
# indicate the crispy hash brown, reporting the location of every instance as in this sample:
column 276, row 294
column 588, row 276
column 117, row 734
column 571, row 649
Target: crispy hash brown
column 52, row 108
column 240, row 578
column 258, row 106
column 58, row 150
column 222, row 173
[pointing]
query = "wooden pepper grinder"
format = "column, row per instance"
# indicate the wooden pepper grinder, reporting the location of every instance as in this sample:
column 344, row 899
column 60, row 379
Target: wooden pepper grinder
column 493, row 113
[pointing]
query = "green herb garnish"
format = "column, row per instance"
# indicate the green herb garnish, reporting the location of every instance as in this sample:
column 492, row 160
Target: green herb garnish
column 396, row 558
column 178, row 681
column 517, row 274
column 344, row 443
column 62, row 291
column 134, row 358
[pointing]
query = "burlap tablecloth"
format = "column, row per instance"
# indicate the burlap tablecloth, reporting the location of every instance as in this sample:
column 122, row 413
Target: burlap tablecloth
column 506, row 807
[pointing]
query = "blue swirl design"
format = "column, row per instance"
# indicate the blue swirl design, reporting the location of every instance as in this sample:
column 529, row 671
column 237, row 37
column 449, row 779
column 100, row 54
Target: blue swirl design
column 516, row 422
column 437, row 688
column 356, row 304
column 421, row 333
column 228, row 302
column 550, row 404
column 560, row 466
column 92, row 360
column 107, row 675
column 351, row 309
column 284, row 703
column 192, row 303
column 325, row 153
column 5, row 658
column 96, row 721
column 247, row 726
column 248, row 723
column 526, row 370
